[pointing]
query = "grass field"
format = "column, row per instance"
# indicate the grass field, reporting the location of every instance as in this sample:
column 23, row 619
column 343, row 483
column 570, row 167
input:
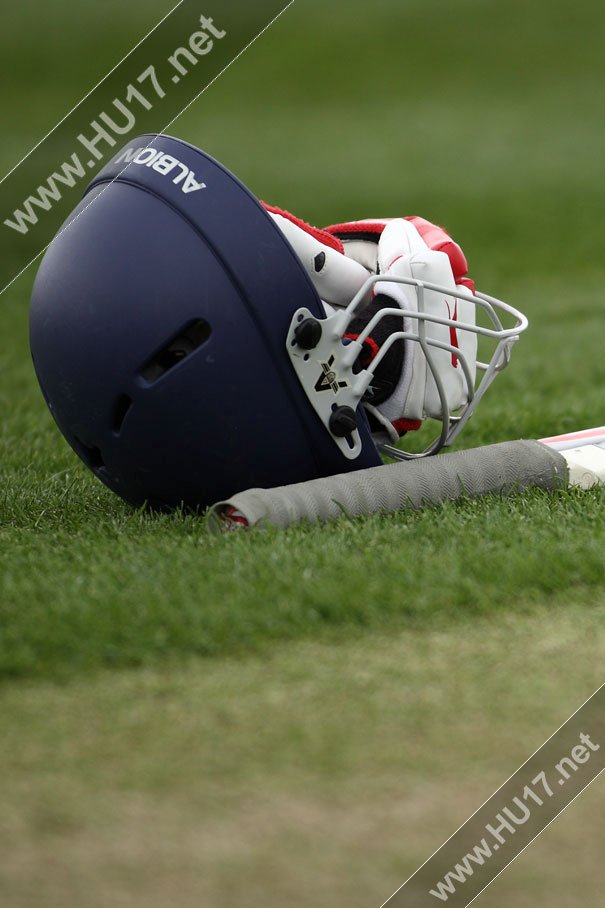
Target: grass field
column 303, row 717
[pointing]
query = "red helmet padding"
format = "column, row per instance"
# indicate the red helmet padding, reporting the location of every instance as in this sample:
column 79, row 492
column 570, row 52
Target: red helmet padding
column 322, row 235
column 437, row 239
column 349, row 229
column 434, row 236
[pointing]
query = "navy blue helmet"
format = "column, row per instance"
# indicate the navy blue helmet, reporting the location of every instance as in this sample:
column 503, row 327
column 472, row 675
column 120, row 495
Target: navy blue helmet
column 192, row 343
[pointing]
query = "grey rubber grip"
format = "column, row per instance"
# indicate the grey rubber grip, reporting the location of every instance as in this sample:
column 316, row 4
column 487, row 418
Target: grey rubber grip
column 495, row 469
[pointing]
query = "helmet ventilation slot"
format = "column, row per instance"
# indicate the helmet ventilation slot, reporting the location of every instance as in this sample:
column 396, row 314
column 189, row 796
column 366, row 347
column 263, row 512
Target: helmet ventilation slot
column 176, row 350
column 90, row 454
column 122, row 406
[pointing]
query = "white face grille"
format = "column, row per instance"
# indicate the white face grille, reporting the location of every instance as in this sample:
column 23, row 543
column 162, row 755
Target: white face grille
column 453, row 380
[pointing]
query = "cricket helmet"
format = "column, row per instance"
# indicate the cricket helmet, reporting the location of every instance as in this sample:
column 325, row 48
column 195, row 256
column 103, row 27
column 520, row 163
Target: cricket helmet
column 188, row 349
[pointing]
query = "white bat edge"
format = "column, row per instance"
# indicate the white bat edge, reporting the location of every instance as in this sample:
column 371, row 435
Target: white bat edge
column 584, row 452
column 586, row 466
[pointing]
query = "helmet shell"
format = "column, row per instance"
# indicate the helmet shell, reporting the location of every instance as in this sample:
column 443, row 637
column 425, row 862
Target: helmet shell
column 157, row 329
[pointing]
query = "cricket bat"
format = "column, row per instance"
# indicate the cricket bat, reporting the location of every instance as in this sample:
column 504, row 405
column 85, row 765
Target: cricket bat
column 576, row 459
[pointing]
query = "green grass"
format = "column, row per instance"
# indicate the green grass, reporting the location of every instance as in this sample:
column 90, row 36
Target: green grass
column 134, row 590
column 317, row 773
column 304, row 716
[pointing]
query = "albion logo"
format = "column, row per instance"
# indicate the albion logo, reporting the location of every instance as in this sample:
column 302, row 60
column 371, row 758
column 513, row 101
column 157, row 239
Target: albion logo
column 328, row 381
column 164, row 164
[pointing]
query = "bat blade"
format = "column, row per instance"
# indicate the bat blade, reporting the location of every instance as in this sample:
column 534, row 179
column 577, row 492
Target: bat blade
column 584, row 452
column 576, row 439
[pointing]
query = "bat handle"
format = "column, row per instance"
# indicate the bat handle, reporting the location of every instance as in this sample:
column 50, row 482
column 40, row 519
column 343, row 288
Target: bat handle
column 495, row 469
